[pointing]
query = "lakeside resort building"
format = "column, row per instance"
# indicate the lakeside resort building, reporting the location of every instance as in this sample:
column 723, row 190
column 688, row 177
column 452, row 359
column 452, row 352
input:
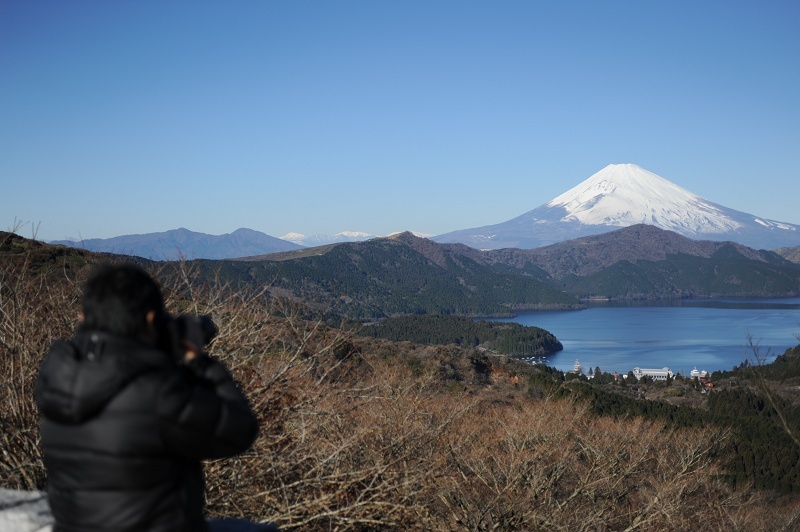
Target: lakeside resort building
column 655, row 374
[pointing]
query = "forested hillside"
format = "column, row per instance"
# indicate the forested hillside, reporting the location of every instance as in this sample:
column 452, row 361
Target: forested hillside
column 506, row 338
column 727, row 273
column 405, row 274
column 410, row 275
column 385, row 277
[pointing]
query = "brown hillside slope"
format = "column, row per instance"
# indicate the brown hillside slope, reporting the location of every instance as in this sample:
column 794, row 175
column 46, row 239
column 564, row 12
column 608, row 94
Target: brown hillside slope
column 358, row 434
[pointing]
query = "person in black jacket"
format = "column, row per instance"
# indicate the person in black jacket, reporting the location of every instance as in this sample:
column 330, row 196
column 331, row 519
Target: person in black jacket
column 126, row 420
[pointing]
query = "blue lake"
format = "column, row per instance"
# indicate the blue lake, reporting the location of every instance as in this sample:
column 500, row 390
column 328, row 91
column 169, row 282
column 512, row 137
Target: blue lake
column 682, row 335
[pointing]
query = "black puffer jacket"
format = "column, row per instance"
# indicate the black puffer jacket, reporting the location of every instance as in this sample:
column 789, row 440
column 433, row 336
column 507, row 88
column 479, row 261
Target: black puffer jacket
column 124, row 428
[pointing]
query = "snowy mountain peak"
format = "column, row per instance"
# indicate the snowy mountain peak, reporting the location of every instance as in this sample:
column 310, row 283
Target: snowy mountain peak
column 297, row 238
column 627, row 194
column 621, row 195
column 321, row 240
column 354, row 235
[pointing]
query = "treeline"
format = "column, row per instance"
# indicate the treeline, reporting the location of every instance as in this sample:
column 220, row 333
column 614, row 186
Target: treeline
column 763, row 428
column 506, row 338
column 766, row 453
column 785, row 366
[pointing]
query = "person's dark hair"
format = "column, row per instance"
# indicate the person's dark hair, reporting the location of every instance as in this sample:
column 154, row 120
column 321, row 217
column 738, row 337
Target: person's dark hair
column 117, row 298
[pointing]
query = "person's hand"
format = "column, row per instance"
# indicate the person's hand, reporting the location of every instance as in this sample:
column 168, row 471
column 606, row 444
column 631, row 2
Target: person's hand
column 193, row 338
column 191, row 352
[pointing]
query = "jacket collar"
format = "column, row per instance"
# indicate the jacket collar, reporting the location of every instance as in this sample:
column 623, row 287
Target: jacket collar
column 78, row 378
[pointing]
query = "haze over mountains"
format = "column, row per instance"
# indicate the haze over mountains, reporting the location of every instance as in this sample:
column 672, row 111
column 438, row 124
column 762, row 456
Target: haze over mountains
column 622, row 195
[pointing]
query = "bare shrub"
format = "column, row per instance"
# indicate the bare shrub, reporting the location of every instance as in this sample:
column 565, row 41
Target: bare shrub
column 551, row 466
column 35, row 309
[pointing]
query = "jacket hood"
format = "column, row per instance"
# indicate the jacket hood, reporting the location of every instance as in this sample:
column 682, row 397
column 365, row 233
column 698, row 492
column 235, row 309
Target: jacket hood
column 79, row 377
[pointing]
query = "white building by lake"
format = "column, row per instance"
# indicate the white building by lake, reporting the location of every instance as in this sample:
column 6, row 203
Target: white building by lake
column 655, row 374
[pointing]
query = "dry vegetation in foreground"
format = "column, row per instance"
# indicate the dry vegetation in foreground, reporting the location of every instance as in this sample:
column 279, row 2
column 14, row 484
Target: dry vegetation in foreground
column 356, row 437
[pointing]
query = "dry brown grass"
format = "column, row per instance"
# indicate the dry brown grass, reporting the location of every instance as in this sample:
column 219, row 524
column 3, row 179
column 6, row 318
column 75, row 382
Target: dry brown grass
column 35, row 309
column 353, row 437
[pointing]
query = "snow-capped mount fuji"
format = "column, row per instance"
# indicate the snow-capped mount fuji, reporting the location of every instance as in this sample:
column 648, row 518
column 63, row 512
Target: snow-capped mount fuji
column 621, row 195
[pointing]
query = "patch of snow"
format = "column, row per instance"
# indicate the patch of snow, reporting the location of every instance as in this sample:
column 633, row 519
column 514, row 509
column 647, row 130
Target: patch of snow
column 294, row 238
column 354, row 234
column 320, row 240
column 772, row 224
column 483, row 237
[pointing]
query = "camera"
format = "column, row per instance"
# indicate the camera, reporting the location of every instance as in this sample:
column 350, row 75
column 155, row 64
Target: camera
column 198, row 329
column 178, row 331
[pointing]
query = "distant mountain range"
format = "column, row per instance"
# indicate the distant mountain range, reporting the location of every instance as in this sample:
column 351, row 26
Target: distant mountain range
column 405, row 274
column 622, row 195
column 182, row 243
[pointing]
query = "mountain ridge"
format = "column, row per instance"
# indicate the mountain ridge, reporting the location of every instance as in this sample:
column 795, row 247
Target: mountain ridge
column 587, row 255
column 400, row 274
column 405, row 274
column 182, row 243
column 638, row 262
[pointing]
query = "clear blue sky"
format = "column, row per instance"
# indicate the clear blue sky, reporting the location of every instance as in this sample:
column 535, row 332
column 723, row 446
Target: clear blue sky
column 130, row 116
